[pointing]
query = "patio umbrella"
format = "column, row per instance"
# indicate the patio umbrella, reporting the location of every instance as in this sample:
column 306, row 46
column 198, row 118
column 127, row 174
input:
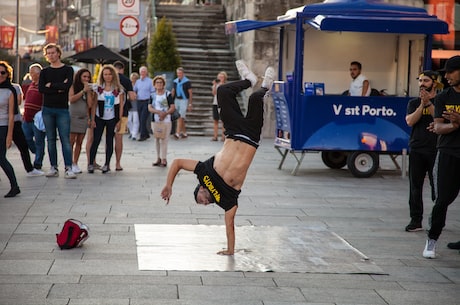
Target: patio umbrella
column 98, row 55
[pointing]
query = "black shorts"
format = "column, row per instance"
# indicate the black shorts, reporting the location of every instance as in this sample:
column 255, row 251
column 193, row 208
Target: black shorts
column 215, row 113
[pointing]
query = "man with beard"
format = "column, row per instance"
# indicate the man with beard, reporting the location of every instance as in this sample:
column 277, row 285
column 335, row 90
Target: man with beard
column 422, row 145
column 447, row 165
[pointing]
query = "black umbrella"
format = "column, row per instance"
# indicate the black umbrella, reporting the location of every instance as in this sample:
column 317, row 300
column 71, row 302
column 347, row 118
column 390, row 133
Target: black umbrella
column 98, row 55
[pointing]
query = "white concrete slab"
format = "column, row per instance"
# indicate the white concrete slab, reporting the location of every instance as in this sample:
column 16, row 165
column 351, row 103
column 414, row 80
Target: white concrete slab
column 258, row 249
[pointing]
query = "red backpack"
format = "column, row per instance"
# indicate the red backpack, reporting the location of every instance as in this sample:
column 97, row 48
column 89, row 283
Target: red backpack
column 73, row 234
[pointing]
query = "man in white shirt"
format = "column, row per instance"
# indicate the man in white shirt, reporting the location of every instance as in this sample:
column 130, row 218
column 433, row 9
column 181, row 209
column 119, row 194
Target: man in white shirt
column 360, row 84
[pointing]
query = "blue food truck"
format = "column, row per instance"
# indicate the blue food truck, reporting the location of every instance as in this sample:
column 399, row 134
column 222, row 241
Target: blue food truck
column 317, row 42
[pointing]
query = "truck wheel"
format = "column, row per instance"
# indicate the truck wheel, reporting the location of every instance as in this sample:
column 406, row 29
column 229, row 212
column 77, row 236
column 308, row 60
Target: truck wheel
column 334, row 159
column 363, row 164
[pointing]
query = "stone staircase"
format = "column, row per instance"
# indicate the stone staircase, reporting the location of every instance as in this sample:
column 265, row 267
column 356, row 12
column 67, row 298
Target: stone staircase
column 205, row 51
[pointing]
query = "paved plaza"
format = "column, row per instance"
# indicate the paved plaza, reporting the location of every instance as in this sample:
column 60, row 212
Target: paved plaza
column 369, row 214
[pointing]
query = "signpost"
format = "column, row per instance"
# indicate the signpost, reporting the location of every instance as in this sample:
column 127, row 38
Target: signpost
column 129, row 25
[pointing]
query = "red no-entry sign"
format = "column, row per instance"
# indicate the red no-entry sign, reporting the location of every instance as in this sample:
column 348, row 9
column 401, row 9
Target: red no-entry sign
column 129, row 26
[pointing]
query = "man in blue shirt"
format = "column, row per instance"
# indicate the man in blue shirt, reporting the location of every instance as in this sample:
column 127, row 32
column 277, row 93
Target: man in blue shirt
column 144, row 89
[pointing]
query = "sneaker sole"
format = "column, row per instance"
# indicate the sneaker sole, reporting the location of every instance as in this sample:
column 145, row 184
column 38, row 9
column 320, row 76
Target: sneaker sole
column 414, row 230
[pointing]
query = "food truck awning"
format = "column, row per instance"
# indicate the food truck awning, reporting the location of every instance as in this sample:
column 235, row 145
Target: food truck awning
column 354, row 16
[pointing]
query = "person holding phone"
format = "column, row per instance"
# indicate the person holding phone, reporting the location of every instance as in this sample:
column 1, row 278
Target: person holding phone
column 422, row 145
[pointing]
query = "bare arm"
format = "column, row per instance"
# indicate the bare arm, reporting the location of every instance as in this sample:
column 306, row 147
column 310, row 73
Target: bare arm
column 439, row 127
column 91, row 102
column 132, row 95
column 365, row 87
column 176, row 166
column 9, row 135
column 230, row 231
column 75, row 96
column 414, row 117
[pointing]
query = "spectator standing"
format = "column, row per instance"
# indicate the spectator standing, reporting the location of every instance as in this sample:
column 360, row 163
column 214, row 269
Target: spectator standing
column 221, row 79
column 18, row 136
column 143, row 89
column 447, row 165
column 33, row 103
column 81, row 99
column 54, row 82
column 162, row 106
column 133, row 115
column 8, row 100
column 182, row 93
column 359, row 85
column 422, row 144
column 110, row 97
column 129, row 96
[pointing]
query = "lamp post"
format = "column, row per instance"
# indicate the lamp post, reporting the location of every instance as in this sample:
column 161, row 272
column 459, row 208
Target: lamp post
column 18, row 58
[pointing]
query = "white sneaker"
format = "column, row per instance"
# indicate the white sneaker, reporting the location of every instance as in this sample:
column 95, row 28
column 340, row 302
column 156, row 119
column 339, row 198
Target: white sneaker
column 53, row 172
column 69, row 174
column 430, row 249
column 76, row 169
column 245, row 73
column 35, row 173
column 269, row 77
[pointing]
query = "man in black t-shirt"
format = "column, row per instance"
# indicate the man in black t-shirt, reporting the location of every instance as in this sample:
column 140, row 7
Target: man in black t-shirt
column 422, row 145
column 222, row 176
column 447, row 166
column 130, row 95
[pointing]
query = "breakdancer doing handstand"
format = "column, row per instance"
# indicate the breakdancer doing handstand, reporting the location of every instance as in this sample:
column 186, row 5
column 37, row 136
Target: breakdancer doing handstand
column 221, row 176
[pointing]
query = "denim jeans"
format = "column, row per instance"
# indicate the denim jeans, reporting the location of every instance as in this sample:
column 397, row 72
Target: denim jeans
column 58, row 118
column 36, row 142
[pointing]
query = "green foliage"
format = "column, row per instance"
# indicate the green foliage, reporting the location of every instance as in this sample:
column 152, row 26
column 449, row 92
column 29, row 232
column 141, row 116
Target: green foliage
column 163, row 54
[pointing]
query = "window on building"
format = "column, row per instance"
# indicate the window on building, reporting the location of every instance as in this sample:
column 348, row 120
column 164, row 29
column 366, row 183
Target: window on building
column 112, row 11
column 113, row 39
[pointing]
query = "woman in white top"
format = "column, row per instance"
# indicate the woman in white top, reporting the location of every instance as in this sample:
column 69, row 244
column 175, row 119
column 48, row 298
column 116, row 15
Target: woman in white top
column 8, row 99
column 107, row 115
column 162, row 106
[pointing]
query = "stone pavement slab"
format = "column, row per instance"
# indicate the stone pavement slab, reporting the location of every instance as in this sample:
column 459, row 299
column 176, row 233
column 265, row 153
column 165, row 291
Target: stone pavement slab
column 370, row 214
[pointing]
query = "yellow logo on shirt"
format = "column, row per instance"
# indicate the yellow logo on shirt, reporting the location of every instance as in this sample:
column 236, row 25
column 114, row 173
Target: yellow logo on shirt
column 455, row 108
column 207, row 181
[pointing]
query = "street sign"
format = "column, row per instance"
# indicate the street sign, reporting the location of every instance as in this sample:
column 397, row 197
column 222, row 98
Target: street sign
column 129, row 26
column 128, row 7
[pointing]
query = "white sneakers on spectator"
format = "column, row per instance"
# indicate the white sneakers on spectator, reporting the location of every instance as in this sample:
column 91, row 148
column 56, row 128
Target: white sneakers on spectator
column 269, row 77
column 69, row 174
column 430, row 249
column 53, row 172
column 35, row 173
column 245, row 73
column 76, row 169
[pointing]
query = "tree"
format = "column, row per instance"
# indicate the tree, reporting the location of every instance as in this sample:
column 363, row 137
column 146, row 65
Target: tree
column 163, row 54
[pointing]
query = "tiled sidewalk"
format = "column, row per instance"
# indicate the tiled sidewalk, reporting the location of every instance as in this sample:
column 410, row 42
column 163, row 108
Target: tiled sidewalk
column 370, row 214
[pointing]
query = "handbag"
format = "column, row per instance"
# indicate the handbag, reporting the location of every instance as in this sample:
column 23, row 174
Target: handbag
column 175, row 115
column 159, row 130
